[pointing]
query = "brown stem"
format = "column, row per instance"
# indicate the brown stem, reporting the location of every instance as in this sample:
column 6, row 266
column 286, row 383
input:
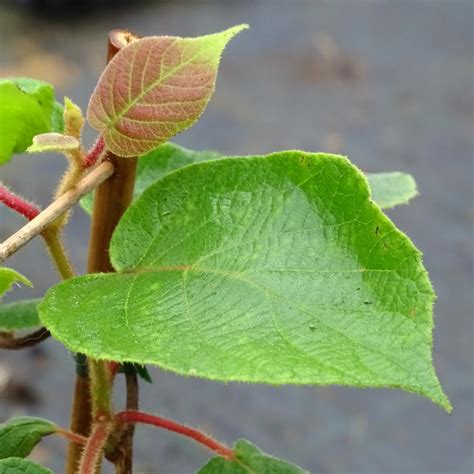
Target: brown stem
column 125, row 464
column 111, row 200
column 24, row 341
column 80, row 420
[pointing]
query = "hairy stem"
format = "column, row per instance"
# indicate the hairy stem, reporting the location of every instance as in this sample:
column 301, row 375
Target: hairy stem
column 101, row 388
column 52, row 237
column 94, row 448
column 111, row 200
column 95, row 153
column 131, row 416
column 41, row 221
column 73, row 437
column 80, row 419
column 18, row 204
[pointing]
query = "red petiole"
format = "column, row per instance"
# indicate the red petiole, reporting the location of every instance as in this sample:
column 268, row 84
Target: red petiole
column 95, row 153
column 130, row 416
column 18, row 204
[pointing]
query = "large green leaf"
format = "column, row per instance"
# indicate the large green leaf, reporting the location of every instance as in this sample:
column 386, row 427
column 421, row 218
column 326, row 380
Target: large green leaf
column 391, row 189
column 22, row 466
column 154, row 88
column 27, row 108
column 274, row 269
column 388, row 189
column 19, row 315
column 19, row 436
column 249, row 460
column 8, row 277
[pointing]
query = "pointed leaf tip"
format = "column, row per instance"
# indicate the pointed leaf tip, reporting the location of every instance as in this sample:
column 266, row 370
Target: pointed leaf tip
column 154, row 88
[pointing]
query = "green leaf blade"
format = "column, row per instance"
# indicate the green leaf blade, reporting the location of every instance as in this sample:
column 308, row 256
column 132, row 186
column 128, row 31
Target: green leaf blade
column 19, row 436
column 154, row 88
column 8, row 277
column 275, row 269
column 19, row 315
column 392, row 189
column 249, row 459
column 388, row 189
column 156, row 164
column 27, row 108
column 16, row 465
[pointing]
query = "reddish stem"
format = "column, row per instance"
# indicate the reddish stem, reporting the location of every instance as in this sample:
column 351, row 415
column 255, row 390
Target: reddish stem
column 130, row 416
column 113, row 367
column 18, row 204
column 95, row 446
column 94, row 153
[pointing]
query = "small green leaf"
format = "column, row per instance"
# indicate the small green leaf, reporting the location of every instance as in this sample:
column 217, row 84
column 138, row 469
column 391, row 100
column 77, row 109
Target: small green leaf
column 53, row 142
column 154, row 88
column 391, row 189
column 27, row 108
column 170, row 157
column 8, row 277
column 22, row 466
column 19, row 315
column 250, row 460
column 275, row 269
column 19, row 436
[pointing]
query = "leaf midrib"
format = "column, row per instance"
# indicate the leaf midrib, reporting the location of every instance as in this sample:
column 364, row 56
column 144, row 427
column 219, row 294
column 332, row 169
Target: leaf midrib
column 157, row 83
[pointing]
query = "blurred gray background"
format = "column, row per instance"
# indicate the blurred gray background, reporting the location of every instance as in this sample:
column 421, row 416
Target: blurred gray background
column 388, row 83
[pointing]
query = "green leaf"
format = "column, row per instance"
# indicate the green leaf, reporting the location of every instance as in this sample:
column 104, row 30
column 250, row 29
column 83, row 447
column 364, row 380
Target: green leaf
column 19, row 436
column 154, row 88
column 388, row 189
column 275, row 269
column 22, row 466
column 19, row 315
column 158, row 163
column 391, row 189
column 53, row 142
column 8, row 277
column 250, row 460
column 27, row 108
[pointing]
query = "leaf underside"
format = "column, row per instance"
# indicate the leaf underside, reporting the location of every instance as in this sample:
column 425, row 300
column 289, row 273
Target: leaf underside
column 21, row 466
column 19, row 315
column 53, row 142
column 19, row 436
column 154, row 88
column 388, row 189
column 275, row 269
column 27, row 108
column 249, row 460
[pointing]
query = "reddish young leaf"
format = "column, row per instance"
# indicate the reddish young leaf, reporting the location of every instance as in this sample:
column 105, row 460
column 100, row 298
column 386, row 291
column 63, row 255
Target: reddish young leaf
column 154, row 88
